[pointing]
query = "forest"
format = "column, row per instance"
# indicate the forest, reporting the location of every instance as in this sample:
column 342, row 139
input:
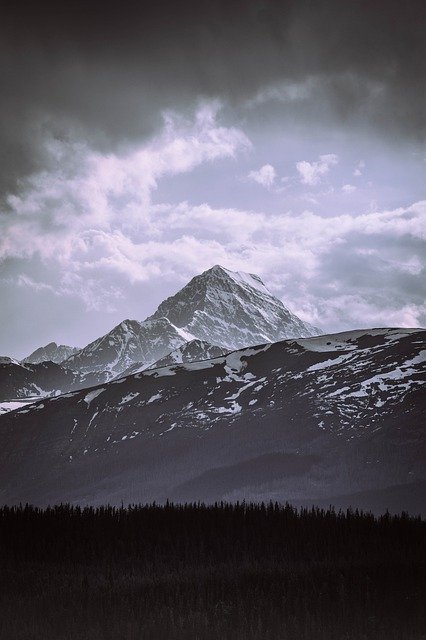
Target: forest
column 221, row 571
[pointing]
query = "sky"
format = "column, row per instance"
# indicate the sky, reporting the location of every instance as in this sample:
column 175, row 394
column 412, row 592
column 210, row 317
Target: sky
column 142, row 143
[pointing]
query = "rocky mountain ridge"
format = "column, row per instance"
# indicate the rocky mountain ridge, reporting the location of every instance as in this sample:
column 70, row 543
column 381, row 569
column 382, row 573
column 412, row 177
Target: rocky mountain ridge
column 51, row 352
column 336, row 418
column 191, row 351
column 228, row 309
column 20, row 381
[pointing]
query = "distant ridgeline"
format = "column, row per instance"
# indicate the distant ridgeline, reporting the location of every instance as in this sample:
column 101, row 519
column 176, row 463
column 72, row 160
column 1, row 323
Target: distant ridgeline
column 221, row 394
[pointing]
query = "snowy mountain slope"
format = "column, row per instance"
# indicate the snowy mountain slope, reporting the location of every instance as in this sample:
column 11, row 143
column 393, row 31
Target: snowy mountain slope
column 53, row 352
column 223, row 308
column 11, row 405
column 19, row 380
column 189, row 352
column 129, row 342
column 304, row 420
column 7, row 360
column 232, row 310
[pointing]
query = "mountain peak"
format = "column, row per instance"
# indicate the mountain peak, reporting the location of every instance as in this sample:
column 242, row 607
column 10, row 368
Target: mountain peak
column 215, row 268
column 52, row 351
column 231, row 309
column 51, row 345
column 240, row 278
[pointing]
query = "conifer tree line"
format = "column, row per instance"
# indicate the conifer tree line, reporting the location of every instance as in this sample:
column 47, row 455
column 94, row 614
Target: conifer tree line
column 194, row 571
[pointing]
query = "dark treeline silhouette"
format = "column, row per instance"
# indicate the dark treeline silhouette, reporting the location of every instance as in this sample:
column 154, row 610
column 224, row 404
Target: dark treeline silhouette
column 231, row 571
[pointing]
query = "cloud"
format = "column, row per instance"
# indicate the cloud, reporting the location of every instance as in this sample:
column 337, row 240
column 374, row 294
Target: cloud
column 338, row 272
column 285, row 92
column 23, row 280
column 83, row 217
column 94, row 229
column 348, row 188
column 62, row 212
column 106, row 75
column 265, row 176
column 359, row 169
column 311, row 173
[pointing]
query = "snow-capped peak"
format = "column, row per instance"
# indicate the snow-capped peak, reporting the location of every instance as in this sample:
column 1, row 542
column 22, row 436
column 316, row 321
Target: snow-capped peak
column 221, row 307
column 53, row 352
column 232, row 310
column 242, row 278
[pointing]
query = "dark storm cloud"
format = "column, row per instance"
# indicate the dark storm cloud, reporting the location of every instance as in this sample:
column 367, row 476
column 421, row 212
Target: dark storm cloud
column 105, row 71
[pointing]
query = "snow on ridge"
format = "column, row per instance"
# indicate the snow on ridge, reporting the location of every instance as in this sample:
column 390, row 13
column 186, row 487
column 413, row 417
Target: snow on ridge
column 232, row 361
column 186, row 335
column 92, row 395
column 247, row 279
column 12, row 405
column 345, row 340
column 8, row 360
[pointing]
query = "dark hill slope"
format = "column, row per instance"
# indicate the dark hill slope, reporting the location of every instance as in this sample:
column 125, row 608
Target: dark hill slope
column 301, row 420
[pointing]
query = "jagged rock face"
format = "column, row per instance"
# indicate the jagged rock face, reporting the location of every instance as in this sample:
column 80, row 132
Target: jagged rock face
column 307, row 420
column 19, row 380
column 52, row 352
column 191, row 351
column 129, row 342
column 220, row 307
column 7, row 360
column 232, row 310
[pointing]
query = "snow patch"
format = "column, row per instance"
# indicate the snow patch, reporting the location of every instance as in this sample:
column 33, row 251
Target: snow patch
column 93, row 417
column 234, row 408
column 128, row 398
column 92, row 395
column 157, row 396
column 11, row 406
column 329, row 363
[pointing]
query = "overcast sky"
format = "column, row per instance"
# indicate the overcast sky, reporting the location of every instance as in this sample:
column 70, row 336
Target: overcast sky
column 143, row 142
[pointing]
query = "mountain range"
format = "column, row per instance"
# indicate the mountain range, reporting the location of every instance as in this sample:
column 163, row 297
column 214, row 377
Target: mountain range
column 333, row 419
column 21, row 380
column 221, row 308
column 221, row 394
column 51, row 352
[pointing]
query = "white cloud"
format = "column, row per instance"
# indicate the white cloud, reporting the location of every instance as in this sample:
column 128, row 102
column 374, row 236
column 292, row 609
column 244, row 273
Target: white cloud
column 23, row 280
column 60, row 212
column 348, row 188
column 359, row 169
column 265, row 176
column 325, row 268
column 311, row 173
column 338, row 272
column 94, row 226
column 285, row 92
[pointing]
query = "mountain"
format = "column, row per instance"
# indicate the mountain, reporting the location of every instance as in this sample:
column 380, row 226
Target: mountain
column 337, row 419
column 221, row 307
column 7, row 360
column 20, row 381
column 52, row 351
column 232, row 310
column 129, row 342
column 191, row 351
